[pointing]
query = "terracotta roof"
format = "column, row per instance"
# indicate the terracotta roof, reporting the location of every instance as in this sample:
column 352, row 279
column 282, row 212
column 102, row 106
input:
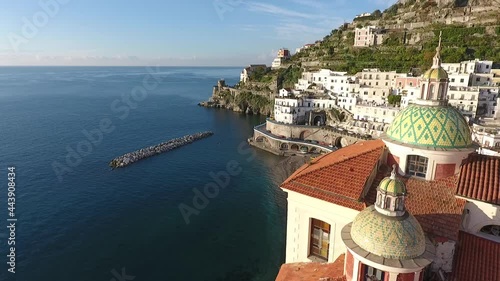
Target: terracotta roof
column 313, row 271
column 433, row 203
column 476, row 258
column 338, row 177
column 480, row 179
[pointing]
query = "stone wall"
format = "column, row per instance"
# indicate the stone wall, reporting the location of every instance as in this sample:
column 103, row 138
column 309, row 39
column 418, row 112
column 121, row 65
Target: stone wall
column 314, row 133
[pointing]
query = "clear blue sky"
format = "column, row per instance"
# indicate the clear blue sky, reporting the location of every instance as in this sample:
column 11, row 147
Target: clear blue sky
column 164, row 32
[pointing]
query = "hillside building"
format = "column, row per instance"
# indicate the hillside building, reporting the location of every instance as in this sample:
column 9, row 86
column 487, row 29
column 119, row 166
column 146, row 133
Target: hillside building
column 247, row 71
column 350, row 218
column 368, row 36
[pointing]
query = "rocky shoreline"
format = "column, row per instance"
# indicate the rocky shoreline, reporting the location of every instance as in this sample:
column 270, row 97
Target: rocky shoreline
column 132, row 157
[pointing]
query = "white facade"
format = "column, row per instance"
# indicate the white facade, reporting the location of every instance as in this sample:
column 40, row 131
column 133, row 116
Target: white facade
column 459, row 79
column 382, row 114
column 301, row 210
column 487, row 137
column 376, row 78
column 247, row 71
column 277, row 62
column 478, row 214
column 464, row 99
column 374, row 95
column 471, row 66
column 292, row 111
column 333, row 81
column 348, row 101
column 304, row 82
column 455, row 156
column 409, row 94
column 325, row 77
column 284, row 92
column 482, row 79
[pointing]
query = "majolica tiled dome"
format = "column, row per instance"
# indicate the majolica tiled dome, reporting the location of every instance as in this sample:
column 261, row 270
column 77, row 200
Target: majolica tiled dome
column 436, row 73
column 393, row 186
column 431, row 126
column 388, row 237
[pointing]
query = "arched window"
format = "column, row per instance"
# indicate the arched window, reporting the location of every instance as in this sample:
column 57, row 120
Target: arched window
column 441, row 95
column 422, row 92
column 379, row 200
column 491, row 229
column 432, row 92
column 387, row 203
column 416, row 165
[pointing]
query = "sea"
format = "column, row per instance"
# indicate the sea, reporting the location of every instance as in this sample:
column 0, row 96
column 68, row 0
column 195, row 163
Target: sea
column 211, row 210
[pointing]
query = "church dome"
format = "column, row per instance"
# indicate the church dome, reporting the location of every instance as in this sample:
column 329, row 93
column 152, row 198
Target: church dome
column 393, row 186
column 436, row 73
column 439, row 126
column 389, row 237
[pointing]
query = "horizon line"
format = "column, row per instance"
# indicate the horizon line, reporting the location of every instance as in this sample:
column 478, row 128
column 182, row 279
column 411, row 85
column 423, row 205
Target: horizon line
column 146, row 65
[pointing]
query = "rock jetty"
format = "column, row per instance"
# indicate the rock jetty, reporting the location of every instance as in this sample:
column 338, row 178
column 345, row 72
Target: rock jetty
column 140, row 154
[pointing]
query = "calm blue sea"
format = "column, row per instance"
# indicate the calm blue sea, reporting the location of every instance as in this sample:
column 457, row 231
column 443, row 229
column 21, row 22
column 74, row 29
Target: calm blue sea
column 80, row 220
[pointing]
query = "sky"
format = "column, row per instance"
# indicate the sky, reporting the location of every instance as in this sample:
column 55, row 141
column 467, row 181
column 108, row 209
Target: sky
column 165, row 32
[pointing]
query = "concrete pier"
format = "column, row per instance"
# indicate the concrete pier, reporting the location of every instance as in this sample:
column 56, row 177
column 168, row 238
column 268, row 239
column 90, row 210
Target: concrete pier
column 140, row 154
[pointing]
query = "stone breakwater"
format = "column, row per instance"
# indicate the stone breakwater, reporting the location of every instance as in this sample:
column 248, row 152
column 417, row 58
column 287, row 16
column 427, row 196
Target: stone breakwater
column 140, row 154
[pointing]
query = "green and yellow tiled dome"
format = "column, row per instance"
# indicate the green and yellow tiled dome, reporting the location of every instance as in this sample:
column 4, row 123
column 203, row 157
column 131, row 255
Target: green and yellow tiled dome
column 431, row 126
column 388, row 237
column 393, row 186
column 436, row 73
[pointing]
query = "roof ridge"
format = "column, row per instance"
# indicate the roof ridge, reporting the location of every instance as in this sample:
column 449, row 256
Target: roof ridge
column 329, row 192
column 341, row 159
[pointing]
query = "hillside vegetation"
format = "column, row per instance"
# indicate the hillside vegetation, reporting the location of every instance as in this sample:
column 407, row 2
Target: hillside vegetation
column 404, row 48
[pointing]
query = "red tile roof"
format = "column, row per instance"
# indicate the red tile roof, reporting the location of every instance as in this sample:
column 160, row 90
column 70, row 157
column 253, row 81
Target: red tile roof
column 338, row 177
column 433, row 203
column 480, row 179
column 476, row 259
column 313, row 271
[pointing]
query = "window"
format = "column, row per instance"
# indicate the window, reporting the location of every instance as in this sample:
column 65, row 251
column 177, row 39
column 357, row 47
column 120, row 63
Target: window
column 452, row 80
column 461, row 80
column 432, row 96
column 411, row 84
column 320, row 239
column 491, row 230
column 416, row 166
column 376, row 83
column 372, row 274
column 478, row 79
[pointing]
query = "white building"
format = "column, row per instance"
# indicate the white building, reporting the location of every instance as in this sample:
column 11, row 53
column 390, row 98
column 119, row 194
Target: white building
column 381, row 114
column 487, row 137
column 442, row 217
column 247, row 71
column 293, row 110
column 471, row 66
column 277, row 62
column 284, row 92
column 348, row 101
